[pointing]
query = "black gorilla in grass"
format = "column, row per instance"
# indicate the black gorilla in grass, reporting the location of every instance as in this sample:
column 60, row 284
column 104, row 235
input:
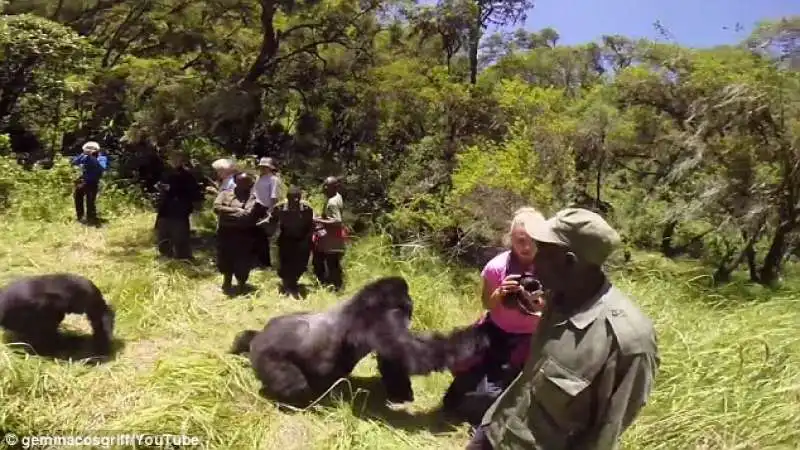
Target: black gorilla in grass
column 33, row 307
column 299, row 356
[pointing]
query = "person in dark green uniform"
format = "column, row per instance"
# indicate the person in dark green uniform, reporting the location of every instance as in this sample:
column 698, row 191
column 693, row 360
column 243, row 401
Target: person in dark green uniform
column 238, row 212
column 295, row 221
column 594, row 357
column 180, row 194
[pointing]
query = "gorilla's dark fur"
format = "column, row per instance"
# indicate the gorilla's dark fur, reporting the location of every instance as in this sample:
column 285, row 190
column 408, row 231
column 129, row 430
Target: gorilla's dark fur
column 299, row 356
column 33, row 308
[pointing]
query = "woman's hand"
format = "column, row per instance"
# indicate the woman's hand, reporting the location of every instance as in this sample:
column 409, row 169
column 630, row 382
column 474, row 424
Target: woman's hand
column 528, row 302
column 509, row 285
column 239, row 212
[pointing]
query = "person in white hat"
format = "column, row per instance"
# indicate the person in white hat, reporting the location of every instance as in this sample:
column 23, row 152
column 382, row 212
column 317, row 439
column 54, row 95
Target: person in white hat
column 266, row 192
column 93, row 164
column 226, row 171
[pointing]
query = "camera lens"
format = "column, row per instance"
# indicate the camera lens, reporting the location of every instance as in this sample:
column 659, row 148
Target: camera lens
column 530, row 284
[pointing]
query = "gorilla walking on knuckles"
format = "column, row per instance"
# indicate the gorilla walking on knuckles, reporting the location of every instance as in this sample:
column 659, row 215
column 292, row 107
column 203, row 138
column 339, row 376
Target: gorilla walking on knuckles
column 33, row 308
column 299, row 356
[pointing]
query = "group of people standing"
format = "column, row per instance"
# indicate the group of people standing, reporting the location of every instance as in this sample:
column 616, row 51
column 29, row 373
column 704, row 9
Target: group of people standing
column 249, row 214
column 573, row 373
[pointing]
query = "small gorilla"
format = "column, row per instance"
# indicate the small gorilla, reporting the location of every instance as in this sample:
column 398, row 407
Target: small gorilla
column 299, row 356
column 33, row 308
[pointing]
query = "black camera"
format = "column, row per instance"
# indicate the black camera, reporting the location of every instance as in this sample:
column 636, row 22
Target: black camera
column 529, row 284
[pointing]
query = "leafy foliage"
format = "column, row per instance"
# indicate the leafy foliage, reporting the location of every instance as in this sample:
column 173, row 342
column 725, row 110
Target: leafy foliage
column 437, row 131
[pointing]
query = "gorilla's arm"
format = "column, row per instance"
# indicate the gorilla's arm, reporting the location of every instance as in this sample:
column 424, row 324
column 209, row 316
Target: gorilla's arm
column 100, row 315
column 396, row 380
column 423, row 353
column 300, row 355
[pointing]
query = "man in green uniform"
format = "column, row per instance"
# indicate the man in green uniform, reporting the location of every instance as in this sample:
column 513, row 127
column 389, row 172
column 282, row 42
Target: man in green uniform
column 295, row 219
column 180, row 195
column 594, row 357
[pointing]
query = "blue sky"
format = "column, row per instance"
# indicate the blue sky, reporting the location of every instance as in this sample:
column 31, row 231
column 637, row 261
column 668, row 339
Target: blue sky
column 694, row 23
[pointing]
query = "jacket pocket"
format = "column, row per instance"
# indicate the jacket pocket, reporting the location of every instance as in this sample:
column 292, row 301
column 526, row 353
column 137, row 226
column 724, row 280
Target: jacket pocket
column 558, row 408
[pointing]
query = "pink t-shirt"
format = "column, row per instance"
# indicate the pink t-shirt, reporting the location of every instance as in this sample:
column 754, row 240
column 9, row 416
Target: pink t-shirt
column 508, row 319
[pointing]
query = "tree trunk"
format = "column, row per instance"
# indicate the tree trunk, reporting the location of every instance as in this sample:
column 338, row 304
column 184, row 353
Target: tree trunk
column 751, row 263
column 474, row 41
column 598, row 180
column 748, row 254
column 771, row 269
column 269, row 44
column 724, row 270
column 666, row 238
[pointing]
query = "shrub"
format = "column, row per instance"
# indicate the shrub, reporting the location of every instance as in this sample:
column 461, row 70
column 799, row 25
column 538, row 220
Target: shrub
column 45, row 194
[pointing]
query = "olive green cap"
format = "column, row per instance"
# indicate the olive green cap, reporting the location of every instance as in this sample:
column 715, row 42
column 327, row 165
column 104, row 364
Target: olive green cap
column 584, row 232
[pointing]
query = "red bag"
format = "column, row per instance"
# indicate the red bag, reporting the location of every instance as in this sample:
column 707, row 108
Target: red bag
column 340, row 233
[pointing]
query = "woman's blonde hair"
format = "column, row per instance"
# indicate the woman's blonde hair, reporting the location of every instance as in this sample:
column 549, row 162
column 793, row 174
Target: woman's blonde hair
column 521, row 216
column 223, row 164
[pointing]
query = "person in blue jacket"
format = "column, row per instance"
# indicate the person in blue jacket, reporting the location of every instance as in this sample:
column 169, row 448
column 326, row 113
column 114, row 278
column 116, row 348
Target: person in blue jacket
column 93, row 165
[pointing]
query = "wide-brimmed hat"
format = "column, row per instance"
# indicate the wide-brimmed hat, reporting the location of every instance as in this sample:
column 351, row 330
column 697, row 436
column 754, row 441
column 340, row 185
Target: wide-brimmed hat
column 91, row 146
column 267, row 162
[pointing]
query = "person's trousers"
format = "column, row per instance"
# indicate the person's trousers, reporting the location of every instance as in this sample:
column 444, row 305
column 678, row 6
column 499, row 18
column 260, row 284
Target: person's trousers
column 293, row 256
column 328, row 268
column 261, row 248
column 479, row 441
column 86, row 195
column 233, row 255
column 494, row 367
column 174, row 234
column 475, row 406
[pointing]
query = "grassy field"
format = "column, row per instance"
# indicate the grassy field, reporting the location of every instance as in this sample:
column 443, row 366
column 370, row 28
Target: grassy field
column 730, row 374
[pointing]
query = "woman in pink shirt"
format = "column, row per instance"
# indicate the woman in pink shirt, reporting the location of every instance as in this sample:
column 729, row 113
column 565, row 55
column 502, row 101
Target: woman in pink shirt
column 508, row 327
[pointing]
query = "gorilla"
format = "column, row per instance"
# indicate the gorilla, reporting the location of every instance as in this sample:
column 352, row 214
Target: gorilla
column 297, row 357
column 33, row 307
